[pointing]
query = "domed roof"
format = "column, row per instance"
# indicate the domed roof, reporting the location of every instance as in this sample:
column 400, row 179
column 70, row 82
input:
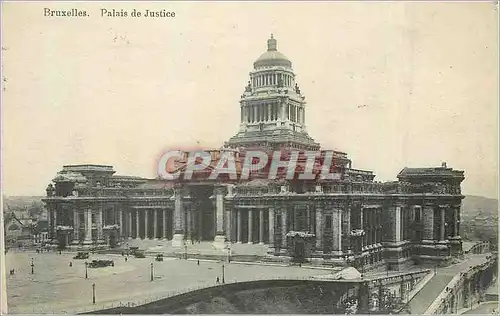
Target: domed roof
column 272, row 57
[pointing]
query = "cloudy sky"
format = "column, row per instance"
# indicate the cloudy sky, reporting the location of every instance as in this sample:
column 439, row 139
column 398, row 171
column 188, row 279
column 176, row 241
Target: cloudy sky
column 391, row 84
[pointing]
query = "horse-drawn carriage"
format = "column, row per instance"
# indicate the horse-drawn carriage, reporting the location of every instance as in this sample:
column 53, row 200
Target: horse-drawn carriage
column 81, row 255
column 159, row 257
column 101, row 263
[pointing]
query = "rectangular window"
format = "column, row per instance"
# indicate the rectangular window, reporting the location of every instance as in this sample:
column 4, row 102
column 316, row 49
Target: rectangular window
column 418, row 214
column 328, row 223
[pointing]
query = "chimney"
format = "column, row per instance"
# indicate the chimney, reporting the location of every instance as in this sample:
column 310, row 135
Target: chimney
column 443, row 164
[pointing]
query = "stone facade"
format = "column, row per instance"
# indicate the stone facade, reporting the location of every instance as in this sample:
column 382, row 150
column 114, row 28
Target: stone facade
column 352, row 220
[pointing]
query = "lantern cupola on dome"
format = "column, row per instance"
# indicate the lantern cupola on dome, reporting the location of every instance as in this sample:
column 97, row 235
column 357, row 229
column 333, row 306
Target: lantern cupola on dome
column 272, row 57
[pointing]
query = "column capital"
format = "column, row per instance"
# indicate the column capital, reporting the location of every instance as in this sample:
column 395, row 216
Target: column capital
column 219, row 189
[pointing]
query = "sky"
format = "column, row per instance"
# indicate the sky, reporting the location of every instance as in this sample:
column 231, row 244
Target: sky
column 393, row 85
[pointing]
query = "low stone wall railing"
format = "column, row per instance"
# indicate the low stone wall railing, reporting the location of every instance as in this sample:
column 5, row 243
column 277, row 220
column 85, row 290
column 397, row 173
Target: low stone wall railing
column 465, row 288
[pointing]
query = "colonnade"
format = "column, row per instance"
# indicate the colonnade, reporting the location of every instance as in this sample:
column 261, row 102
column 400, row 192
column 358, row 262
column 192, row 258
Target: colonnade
column 88, row 225
column 257, row 221
column 440, row 222
column 272, row 111
column 262, row 79
column 261, row 224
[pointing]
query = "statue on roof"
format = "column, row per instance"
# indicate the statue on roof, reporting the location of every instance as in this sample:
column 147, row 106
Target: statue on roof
column 50, row 190
column 248, row 88
column 297, row 90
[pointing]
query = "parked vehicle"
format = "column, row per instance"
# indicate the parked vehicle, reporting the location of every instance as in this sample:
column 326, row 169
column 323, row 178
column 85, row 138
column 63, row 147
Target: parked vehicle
column 81, row 255
column 159, row 257
column 101, row 263
column 139, row 254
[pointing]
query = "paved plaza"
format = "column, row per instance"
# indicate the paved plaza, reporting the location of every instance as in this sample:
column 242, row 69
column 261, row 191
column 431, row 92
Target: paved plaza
column 55, row 287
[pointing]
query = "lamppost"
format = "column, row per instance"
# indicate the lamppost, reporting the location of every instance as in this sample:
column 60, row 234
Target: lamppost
column 93, row 293
column 152, row 276
column 223, row 280
column 32, row 267
column 86, row 272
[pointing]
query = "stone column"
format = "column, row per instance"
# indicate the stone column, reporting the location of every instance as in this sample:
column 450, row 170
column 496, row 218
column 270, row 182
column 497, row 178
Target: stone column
column 76, row 226
column 99, row 221
column 220, row 238
column 283, row 227
column 337, row 231
column 428, row 221
column 308, row 214
column 137, row 224
column 189, row 225
column 200, row 224
column 55, row 223
column 178, row 239
column 88, row 227
column 271, row 227
column 397, row 221
column 455, row 222
column 155, row 224
column 146, row 228
column 50, row 221
column 121, row 223
column 250, row 226
column 261, row 227
column 129, row 224
column 229, row 227
column 442, row 229
column 319, row 229
column 239, row 226
column 164, row 228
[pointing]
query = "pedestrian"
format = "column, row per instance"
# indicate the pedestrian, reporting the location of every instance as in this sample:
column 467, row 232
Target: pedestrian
column 198, row 262
column 126, row 258
column 70, row 264
column 217, row 280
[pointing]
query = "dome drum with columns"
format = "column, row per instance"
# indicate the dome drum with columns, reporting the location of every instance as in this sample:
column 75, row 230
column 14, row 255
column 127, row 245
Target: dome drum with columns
column 272, row 107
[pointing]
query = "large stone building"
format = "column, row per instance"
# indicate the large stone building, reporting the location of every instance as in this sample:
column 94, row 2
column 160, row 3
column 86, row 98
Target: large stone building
column 353, row 219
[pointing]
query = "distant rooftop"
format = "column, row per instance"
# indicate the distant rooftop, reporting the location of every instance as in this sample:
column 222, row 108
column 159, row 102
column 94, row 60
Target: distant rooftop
column 88, row 167
column 436, row 171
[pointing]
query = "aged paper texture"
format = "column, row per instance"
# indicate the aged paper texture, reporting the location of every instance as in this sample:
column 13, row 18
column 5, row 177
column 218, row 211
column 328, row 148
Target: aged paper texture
column 247, row 157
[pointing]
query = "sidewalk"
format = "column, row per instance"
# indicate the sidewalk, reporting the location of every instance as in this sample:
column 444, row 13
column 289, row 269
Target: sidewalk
column 431, row 291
